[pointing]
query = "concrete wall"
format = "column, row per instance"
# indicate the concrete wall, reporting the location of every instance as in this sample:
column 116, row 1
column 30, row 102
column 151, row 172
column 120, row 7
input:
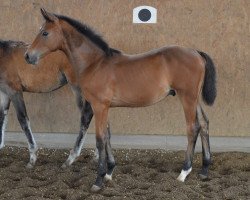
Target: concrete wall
column 220, row 28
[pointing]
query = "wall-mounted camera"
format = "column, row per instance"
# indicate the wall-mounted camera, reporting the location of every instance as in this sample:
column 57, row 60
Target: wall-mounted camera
column 144, row 14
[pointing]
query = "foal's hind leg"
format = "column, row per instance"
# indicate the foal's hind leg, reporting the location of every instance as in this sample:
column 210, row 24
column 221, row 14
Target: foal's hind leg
column 189, row 105
column 23, row 119
column 4, row 108
column 204, row 133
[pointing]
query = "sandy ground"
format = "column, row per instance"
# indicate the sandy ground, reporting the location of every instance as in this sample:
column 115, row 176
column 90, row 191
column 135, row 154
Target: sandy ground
column 140, row 174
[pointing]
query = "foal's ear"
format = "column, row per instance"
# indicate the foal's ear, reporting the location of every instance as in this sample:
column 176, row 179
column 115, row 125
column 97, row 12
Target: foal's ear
column 48, row 16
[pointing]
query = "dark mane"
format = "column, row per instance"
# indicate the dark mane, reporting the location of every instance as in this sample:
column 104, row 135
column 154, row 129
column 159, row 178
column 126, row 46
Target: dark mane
column 7, row 44
column 89, row 33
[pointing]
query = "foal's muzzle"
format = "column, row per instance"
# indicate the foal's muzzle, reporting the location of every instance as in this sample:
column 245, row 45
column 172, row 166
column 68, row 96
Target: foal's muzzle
column 30, row 59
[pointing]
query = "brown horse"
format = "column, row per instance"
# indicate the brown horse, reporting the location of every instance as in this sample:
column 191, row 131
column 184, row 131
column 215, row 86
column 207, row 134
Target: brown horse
column 109, row 78
column 17, row 76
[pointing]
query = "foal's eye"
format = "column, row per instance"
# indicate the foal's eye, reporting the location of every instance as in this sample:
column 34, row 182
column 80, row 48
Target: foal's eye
column 44, row 33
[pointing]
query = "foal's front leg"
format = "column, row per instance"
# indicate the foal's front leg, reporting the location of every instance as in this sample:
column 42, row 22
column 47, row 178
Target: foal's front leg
column 101, row 115
column 4, row 108
column 86, row 116
column 23, row 119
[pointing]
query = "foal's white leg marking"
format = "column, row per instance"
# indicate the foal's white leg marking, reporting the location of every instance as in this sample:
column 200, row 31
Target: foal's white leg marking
column 32, row 149
column 3, row 128
column 79, row 148
column 75, row 153
column 4, row 100
column 108, row 177
column 184, row 174
column 96, row 155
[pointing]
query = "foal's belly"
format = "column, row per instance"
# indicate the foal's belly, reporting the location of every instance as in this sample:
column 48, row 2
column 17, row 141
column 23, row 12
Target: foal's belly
column 140, row 83
column 140, row 97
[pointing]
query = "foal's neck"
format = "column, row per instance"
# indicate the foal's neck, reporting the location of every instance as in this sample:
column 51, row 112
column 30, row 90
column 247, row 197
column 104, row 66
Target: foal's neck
column 81, row 52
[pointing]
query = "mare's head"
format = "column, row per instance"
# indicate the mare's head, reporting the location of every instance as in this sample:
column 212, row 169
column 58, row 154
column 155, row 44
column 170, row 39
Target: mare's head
column 50, row 38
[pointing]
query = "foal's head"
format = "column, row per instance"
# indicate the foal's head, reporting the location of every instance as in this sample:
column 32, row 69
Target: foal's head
column 60, row 32
column 50, row 38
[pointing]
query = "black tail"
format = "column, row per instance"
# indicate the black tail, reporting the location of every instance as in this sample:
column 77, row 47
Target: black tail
column 209, row 90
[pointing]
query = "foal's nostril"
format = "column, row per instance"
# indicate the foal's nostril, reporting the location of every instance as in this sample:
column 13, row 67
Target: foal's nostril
column 27, row 58
column 30, row 58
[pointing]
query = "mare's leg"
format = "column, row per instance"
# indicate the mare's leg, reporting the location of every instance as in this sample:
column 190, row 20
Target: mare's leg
column 4, row 108
column 23, row 119
column 101, row 115
column 204, row 133
column 110, row 157
column 189, row 105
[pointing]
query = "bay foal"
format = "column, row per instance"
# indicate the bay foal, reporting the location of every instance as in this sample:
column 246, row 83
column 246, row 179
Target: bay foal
column 16, row 77
column 108, row 78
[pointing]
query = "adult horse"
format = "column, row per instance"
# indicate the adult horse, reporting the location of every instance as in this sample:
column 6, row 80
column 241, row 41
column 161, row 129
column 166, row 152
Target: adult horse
column 16, row 77
column 109, row 78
